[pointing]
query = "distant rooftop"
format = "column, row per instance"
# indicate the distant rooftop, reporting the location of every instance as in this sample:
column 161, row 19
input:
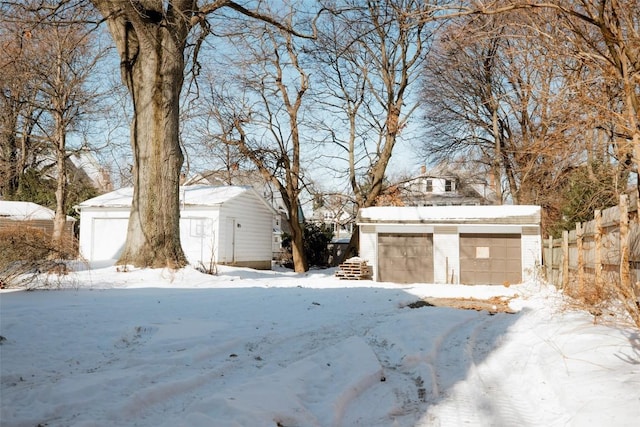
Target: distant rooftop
column 26, row 211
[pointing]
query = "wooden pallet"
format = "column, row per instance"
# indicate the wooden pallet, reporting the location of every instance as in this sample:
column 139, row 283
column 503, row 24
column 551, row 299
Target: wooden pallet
column 354, row 271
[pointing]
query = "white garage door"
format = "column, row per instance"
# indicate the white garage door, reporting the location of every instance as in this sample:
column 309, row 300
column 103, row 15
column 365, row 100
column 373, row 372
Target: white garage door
column 109, row 235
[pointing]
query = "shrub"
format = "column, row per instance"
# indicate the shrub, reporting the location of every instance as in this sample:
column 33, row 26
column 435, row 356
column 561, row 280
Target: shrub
column 316, row 240
column 28, row 252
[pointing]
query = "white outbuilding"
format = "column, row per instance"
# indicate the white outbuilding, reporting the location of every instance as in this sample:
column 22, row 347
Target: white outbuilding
column 451, row 244
column 218, row 224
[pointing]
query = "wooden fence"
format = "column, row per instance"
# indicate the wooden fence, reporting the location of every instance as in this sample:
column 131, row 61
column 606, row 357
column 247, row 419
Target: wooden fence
column 605, row 250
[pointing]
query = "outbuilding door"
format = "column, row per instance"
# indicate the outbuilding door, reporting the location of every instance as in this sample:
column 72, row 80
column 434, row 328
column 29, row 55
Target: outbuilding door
column 490, row 259
column 405, row 258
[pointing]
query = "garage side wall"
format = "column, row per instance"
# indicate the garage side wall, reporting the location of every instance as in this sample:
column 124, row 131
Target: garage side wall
column 199, row 235
column 246, row 232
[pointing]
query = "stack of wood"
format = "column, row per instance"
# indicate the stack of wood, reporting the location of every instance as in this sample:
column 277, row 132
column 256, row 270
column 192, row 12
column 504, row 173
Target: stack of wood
column 354, row 269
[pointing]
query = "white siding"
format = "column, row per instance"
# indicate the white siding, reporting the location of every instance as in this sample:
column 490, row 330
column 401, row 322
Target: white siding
column 369, row 248
column 253, row 230
column 531, row 256
column 198, row 236
column 446, row 257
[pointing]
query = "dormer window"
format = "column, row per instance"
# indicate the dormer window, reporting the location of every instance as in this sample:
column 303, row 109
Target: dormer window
column 429, row 188
column 449, row 185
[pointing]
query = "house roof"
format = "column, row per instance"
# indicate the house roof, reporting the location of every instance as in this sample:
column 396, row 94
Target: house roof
column 26, row 211
column 190, row 195
column 499, row 214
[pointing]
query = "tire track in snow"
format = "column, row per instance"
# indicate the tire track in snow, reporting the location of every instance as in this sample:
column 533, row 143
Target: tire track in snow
column 483, row 396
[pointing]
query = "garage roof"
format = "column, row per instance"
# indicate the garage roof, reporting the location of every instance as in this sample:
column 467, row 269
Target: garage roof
column 190, row 195
column 502, row 214
column 26, row 211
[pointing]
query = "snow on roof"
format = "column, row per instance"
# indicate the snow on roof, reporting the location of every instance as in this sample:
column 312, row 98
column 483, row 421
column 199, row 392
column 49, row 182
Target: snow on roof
column 85, row 160
column 191, row 195
column 26, row 211
column 431, row 214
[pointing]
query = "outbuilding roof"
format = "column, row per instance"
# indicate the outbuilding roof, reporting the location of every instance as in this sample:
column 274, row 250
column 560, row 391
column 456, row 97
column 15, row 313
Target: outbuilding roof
column 500, row 214
column 26, row 211
column 190, row 195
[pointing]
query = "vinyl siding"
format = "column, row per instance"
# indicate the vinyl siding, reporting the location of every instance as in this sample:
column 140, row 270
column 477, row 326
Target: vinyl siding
column 253, row 229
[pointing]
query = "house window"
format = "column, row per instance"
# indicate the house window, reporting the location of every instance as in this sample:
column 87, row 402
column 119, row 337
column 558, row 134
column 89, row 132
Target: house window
column 197, row 227
column 449, row 185
column 429, row 186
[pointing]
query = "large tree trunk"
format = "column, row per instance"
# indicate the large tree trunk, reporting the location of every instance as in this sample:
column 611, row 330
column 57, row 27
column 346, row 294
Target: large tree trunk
column 151, row 45
column 300, row 264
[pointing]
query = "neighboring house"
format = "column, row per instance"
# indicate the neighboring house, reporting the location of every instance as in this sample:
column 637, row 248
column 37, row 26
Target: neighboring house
column 441, row 187
column 218, row 225
column 87, row 169
column 82, row 167
column 30, row 215
column 337, row 211
column 453, row 244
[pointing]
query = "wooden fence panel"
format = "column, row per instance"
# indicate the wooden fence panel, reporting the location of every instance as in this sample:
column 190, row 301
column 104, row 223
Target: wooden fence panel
column 603, row 249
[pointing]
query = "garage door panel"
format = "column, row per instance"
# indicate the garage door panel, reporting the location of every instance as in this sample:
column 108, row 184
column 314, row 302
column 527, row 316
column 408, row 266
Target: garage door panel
column 499, row 264
column 499, row 252
column 405, row 258
column 108, row 238
column 490, row 258
column 394, row 251
column 414, row 264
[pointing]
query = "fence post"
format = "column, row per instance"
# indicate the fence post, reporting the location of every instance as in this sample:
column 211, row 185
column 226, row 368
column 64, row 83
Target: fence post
column 565, row 259
column 579, row 234
column 598, row 243
column 625, row 276
column 550, row 262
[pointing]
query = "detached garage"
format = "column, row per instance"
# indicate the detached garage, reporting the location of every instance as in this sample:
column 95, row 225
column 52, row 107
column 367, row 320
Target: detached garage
column 223, row 225
column 451, row 244
column 31, row 215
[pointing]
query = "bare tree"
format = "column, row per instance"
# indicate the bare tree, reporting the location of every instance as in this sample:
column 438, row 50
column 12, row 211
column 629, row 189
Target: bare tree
column 65, row 61
column 374, row 51
column 502, row 97
column 17, row 98
column 152, row 37
column 265, row 124
column 51, row 58
column 605, row 35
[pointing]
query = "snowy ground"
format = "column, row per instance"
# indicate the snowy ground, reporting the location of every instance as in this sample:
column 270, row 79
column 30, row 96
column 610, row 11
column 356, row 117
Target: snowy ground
column 247, row 348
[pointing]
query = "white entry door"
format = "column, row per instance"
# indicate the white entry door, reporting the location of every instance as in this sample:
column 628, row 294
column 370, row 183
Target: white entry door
column 230, row 241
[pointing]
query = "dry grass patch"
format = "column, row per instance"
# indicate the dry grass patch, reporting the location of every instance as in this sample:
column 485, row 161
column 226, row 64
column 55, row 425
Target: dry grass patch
column 492, row 305
column 27, row 253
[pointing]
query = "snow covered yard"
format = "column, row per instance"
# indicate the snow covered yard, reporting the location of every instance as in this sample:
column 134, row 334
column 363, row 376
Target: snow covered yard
column 248, row 348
